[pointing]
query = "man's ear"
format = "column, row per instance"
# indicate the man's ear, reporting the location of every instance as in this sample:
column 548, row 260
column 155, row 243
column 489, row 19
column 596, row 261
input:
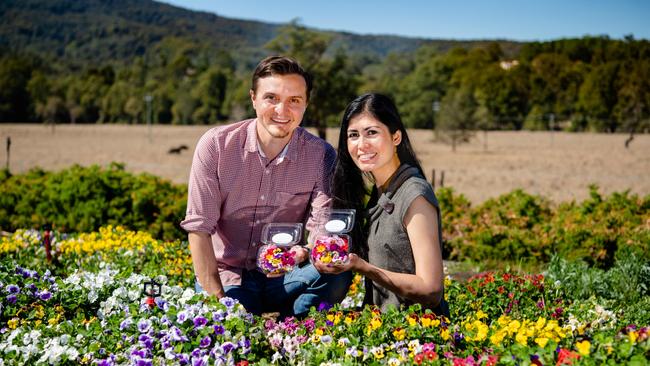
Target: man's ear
column 397, row 138
column 251, row 92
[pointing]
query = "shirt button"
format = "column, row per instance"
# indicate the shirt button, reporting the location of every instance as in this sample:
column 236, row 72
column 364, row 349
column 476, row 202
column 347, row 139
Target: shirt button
column 262, row 197
column 257, row 222
column 267, row 171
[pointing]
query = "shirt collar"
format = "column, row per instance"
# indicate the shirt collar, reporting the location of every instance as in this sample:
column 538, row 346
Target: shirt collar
column 289, row 152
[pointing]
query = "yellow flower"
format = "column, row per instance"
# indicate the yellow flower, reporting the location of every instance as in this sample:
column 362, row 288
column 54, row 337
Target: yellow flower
column 480, row 314
column 521, row 338
column 348, row 320
column 503, row 320
column 482, row 331
column 444, row 333
column 399, row 334
column 13, row 323
column 633, row 336
column 497, row 338
column 378, row 352
column 583, row 347
column 514, row 326
column 412, row 322
column 541, row 341
column 375, row 323
column 540, row 324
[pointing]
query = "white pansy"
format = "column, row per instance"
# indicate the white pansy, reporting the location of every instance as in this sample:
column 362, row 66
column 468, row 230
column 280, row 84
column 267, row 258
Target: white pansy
column 64, row 339
column 134, row 295
column 277, row 357
column 31, row 337
column 188, row 293
column 92, row 296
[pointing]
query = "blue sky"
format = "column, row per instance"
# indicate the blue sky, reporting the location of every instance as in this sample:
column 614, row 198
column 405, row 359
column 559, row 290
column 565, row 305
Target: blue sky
column 524, row 20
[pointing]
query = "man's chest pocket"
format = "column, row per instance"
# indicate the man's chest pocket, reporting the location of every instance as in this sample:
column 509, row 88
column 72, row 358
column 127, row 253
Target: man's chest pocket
column 292, row 202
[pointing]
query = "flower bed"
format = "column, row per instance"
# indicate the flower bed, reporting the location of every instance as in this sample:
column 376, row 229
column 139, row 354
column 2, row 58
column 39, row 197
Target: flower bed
column 86, row 307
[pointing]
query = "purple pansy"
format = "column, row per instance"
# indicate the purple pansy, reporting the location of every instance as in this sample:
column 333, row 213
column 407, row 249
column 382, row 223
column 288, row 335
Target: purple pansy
column 12, row 289
column 200, row 322
column 144, row 325
column 205, row 342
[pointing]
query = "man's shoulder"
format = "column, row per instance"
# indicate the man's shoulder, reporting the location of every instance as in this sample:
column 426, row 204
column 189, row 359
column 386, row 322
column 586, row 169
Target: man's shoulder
column 218, row 135
column 228, row 129
column 312, row 141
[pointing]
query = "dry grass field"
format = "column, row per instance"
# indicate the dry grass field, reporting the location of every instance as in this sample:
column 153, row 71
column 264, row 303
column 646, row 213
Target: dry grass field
column 559, row 166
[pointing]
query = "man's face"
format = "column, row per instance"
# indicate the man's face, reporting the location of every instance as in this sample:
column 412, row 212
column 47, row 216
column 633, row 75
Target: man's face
column 279, row 102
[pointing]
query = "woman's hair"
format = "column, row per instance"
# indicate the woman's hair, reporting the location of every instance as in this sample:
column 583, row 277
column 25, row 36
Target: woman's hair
column 348, row 186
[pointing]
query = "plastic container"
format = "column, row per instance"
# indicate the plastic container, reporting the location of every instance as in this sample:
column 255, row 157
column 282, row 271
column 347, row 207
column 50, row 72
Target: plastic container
column 332, row 245
column 275, row 257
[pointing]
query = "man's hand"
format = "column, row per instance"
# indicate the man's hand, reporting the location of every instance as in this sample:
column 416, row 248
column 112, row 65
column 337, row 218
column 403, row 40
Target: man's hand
column 205, row 264
column 301, row 253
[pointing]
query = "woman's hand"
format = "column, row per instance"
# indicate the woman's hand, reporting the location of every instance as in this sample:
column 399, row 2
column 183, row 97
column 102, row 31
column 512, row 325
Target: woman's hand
column 352, row 265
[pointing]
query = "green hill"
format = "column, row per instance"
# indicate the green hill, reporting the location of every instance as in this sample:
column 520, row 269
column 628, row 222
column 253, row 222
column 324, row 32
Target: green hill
column 101, row 31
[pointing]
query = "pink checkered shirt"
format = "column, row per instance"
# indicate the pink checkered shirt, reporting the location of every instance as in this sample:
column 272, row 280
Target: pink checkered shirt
column 234, row 190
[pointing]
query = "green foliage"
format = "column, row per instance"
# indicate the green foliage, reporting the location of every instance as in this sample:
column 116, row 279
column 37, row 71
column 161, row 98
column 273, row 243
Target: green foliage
column 197, row 67
column 83, row 199
column 518, row 227
column 626, row 283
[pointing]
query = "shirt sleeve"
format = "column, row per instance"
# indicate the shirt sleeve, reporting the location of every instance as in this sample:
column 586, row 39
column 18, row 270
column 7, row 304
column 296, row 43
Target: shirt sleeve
column 321, row 199
column 203, row 194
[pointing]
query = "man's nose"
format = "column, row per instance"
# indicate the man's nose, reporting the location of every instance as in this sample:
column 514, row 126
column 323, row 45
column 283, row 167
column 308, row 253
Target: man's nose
column 280, row 108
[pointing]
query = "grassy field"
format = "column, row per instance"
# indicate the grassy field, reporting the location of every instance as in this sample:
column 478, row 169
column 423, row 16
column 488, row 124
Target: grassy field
column 556, row 165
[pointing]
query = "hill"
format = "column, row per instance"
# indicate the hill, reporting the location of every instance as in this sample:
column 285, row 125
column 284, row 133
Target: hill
column 102, row 31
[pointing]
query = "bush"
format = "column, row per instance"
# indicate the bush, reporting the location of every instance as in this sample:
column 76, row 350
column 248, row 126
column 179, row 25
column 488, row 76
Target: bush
column 82, row 199
column 518, row 227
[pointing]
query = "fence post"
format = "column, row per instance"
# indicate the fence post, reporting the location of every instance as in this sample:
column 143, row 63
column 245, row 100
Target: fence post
column 442, row 178
column 433, row 178
column 8, row 151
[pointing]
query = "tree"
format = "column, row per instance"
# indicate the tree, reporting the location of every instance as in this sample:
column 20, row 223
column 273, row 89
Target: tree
column 598, row 95
column 210, row 94
column 334, row 85
column 633, row 107
column 15, row 101
column 458, row 117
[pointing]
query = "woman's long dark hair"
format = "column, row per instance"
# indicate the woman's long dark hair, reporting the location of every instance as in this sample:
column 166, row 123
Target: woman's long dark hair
column 348, row 187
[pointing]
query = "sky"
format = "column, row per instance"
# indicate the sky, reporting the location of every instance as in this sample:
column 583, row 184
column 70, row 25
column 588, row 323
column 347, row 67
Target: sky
column 522, row 20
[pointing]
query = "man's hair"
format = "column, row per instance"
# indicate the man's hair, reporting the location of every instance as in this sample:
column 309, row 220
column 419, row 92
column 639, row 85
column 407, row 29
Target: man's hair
column 280, row 65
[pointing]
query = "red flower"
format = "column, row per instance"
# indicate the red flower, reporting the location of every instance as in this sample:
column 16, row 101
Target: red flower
column 242, row 363
column 418, row 359
column 566, row 357
column 431, row 355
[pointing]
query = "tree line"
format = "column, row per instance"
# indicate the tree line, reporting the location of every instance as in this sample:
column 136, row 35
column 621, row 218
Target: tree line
column 587, row 84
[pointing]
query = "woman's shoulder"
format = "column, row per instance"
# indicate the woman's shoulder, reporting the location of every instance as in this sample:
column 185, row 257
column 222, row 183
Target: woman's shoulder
column 416, row 184
column 414, row 187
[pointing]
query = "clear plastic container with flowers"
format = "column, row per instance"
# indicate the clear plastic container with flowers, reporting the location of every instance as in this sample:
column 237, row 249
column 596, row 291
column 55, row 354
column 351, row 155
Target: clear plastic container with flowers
column 331, row 245
column 275, row 256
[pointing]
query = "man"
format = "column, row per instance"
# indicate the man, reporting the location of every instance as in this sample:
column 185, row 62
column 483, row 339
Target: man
column 254, row 172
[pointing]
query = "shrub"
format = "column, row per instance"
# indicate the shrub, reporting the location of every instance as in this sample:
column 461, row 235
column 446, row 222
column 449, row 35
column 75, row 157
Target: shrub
column 82, row 199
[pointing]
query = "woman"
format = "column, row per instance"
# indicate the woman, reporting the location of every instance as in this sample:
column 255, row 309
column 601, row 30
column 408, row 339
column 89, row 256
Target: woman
column 399, row 247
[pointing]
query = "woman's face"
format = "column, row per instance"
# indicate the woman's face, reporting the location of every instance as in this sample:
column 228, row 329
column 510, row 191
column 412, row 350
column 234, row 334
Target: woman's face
column 372, row 146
